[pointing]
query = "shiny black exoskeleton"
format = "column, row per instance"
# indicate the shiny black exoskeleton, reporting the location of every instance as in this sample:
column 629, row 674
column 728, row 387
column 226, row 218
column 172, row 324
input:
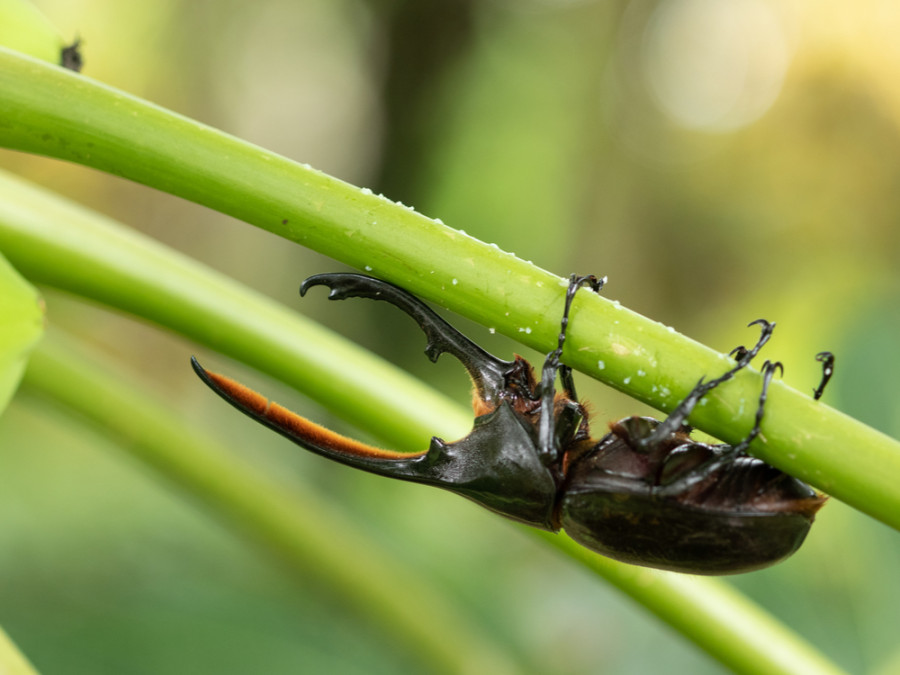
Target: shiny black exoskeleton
column 645, row 493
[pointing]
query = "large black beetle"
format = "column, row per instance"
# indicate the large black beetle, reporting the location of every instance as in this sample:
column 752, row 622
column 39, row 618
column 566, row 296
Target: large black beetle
column 645, row 493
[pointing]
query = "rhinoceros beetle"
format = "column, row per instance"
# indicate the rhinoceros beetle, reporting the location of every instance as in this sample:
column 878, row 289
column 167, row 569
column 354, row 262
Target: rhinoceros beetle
column 645, row 493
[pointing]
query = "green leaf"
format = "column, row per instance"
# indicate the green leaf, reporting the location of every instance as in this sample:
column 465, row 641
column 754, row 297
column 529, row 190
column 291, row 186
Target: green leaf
column 12, row 661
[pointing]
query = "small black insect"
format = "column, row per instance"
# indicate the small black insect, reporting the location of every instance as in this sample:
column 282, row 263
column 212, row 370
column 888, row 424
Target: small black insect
column 645, row 493
column 70, row 56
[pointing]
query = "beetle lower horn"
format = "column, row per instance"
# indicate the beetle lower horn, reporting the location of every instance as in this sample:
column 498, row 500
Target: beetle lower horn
column 310, row 435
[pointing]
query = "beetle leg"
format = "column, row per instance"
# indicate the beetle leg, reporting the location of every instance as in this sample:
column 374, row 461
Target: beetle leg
column 683, row 410
column 547, row 430
column 743, row 355
column 489, row 374
column 575, row 282
column 552, row 363
column 768, row 371
column 827, row 360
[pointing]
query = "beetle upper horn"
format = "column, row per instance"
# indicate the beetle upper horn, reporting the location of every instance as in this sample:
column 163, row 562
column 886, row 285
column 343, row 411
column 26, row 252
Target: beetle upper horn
column 488, row 373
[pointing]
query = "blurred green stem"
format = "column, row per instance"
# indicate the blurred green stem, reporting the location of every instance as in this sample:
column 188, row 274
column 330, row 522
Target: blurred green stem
column 55, row 242
column 299, row 529
column 712, row 614
column 50, row 111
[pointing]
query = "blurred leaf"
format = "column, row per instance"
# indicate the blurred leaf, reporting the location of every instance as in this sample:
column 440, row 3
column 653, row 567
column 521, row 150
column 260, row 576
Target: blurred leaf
column 870, row 367
column 12, row 662
column 21, row 325
column 24, row 28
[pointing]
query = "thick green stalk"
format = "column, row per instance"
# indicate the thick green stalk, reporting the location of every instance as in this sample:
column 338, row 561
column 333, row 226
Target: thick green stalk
column 308, row 538
column 49, row 111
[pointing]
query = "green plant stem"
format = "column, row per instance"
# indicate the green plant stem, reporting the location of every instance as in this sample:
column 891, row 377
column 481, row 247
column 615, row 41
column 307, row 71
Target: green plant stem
column 66, row 245
column 305, row 535
column 50, row 111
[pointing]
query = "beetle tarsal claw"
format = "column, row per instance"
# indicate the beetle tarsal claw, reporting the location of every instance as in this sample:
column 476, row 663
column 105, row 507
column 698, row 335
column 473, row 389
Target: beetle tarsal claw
column 827, row 361
column 645, row 493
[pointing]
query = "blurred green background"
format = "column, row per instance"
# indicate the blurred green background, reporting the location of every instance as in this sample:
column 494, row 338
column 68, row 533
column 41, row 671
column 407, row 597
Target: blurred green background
column 720, row 162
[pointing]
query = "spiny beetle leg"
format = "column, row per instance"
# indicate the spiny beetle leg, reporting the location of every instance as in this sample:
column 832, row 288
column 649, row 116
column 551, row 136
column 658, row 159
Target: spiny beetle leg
column 742, row 355
column 489, row 374
column 680, row 414
column 552, row 362
column 768, row 371
column 827, row 360
column 548, row 431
